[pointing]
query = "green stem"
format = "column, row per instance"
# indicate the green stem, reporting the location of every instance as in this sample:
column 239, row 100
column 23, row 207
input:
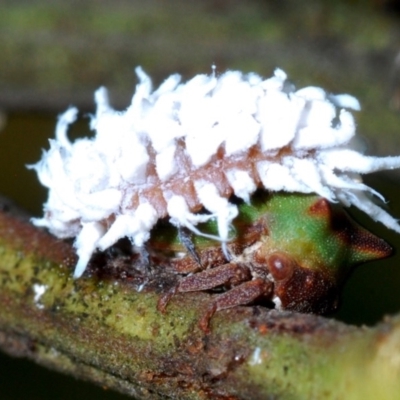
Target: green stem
column 102, row 329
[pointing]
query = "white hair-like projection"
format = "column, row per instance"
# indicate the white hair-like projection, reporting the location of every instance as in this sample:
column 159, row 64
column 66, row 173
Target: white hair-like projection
column 191, row 145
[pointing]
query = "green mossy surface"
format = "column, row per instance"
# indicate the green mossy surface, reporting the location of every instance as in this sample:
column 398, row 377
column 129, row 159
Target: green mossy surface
column 109, row 332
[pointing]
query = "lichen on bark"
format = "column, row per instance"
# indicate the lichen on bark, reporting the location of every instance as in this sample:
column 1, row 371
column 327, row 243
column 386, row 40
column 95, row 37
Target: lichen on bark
column 101, row 328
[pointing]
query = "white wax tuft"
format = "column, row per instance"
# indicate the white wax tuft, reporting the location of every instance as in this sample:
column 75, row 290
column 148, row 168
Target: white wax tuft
column 190, row 145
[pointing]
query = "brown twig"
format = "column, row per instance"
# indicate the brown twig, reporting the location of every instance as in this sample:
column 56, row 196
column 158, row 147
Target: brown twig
column 103, row 329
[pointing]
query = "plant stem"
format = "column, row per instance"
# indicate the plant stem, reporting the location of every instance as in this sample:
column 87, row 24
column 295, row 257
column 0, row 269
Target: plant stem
column 101, row 328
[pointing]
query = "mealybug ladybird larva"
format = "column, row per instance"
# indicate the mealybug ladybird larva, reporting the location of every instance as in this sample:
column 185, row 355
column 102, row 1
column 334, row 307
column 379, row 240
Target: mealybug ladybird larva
column 190, row 146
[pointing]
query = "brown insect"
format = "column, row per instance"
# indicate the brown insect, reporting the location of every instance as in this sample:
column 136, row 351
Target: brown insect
column 290, row 252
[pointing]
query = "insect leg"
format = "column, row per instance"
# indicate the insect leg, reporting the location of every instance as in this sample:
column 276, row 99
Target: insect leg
column 239, row 295
column 185, row 237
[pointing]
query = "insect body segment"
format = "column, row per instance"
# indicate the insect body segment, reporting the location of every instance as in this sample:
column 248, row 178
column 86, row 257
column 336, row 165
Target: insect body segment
column 301, row 269
column 191, row 146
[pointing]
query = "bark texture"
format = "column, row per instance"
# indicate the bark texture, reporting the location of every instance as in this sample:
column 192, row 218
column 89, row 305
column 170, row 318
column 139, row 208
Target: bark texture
column 104, row 329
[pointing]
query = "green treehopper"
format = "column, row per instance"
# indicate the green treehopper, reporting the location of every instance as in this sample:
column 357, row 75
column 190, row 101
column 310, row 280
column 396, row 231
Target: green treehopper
column 288, row 251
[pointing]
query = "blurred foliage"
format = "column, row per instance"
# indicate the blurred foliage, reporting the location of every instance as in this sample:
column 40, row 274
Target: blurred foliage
column 56, row 53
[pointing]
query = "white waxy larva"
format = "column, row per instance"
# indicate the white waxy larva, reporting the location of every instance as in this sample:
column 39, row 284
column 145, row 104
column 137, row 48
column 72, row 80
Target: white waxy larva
column 191, row 145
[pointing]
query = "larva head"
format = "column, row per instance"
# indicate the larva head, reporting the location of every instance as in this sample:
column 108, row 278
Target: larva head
column 310, row 248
